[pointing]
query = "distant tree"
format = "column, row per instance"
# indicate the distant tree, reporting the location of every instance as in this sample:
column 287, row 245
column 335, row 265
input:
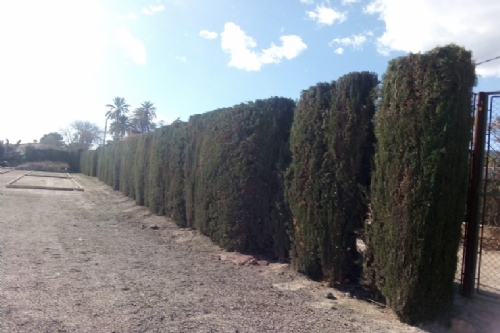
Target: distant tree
column 81, row 135
column 116, row 112
column 9, row 152
column 143, row 117
column 53, row 139
column 120, row 127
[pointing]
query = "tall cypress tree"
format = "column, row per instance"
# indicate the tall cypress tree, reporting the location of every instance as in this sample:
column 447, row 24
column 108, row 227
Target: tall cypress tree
column 420, row 181
column 346, row 174
column 304, row 187
column 332, row 145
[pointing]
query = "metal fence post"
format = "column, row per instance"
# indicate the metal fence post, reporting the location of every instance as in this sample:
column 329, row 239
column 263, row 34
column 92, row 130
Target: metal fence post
column 473, row 199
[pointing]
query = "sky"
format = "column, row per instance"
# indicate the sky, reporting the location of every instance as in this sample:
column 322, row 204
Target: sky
column 62, row 61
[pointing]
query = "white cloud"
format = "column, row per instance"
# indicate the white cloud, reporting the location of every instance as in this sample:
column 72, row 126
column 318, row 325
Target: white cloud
column 235, row 42
column 339, row 50
column 291, row 47
column 326, row 15
column 181, row 59
column 346, row 2
column 131, row 16
column 153, row 9
column 307, row 2
column 208, row 34
column 420, row 25
column 134, row 47
column 356, row 41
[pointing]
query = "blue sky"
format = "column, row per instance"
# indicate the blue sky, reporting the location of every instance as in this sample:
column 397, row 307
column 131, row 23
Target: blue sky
column 62, row 61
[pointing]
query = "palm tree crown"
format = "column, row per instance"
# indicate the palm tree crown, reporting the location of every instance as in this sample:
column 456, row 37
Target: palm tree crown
column 117, row 109
column 144, row 116
column 118, row 113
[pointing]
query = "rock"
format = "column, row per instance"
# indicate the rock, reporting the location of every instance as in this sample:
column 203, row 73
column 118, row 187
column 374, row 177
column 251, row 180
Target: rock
column 461, row 326
column 330, row 296
column 154, row 227
column 252, row 261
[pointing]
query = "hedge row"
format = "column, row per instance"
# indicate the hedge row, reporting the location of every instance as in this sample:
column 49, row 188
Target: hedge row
column 72, row 157
column 221, row 173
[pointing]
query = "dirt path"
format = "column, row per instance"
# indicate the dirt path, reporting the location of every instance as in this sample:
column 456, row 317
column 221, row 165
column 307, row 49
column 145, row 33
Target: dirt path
column 89, row 262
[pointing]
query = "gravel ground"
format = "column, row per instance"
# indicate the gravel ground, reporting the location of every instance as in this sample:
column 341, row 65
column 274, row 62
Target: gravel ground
column 90, row 262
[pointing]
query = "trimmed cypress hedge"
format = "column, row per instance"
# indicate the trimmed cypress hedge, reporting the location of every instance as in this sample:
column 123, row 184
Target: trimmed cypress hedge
column 141, row 162
column 88, row 163
column 221, row 173
column 127, row 171
column 234, row 165
column 308, row 146
column 328, row 181
column 419, row 185
column 166, row 172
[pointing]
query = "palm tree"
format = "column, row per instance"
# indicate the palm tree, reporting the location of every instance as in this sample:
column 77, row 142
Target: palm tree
column 116, row 111
column 144, row 117
column 120, row 127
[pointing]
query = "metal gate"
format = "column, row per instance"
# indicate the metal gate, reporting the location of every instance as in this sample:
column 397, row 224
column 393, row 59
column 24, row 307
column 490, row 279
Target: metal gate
column 480, row 264
column 488, row 274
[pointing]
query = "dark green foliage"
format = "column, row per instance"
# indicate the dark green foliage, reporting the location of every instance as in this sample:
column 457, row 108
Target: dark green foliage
column 88, row 162
column 308, row 146
column 140, row 169
column 222, row 173
column 332, row 144
column 9, row 155
column 418, row 192
column 127, row 172
column 166, row 172
column 105, row 164
column 234, row 165
column 72, row 157
column 53, row 139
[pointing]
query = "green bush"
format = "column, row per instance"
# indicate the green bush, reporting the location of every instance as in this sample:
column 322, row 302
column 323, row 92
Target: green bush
column 328, row 181
column 140, row 161
column 127, row 171
column 72, row 157
column 235, row 160
column 419, row 186
column 166, row 172
column 308, row 146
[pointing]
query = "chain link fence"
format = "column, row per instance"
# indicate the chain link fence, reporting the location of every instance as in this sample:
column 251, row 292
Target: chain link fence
column 488, row 271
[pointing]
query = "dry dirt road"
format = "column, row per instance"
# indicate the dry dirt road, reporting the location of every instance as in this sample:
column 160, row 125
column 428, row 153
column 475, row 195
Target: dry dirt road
column 89, row 262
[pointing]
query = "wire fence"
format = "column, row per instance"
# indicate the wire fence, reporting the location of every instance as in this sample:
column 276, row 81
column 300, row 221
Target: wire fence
column 488, row 270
